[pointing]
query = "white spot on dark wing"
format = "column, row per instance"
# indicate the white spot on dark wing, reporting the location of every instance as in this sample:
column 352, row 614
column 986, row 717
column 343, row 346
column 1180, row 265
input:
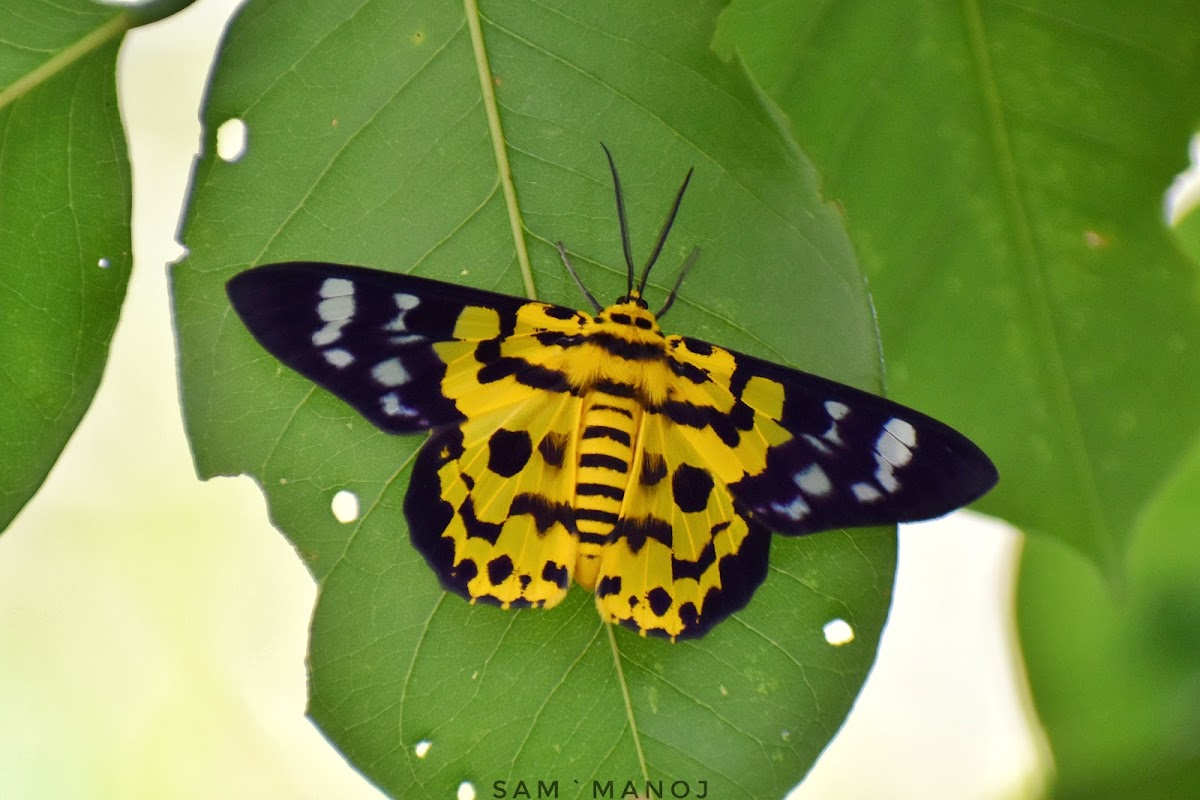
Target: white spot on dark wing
column 865, row 492
column 902, row 430
column 795, row 510
column 390, row 373
column 817, row 444
column 885, row 476
column 404, row 303
column 404, row 339
column 335, row 309
column 893, row 450
column 813, row 481
column 338, row 357
column 836, row 410
column 337, row 287
column 832, row 435
column 392, row 406
column 895, row 442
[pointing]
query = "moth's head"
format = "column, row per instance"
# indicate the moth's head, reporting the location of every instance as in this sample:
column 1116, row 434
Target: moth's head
column 633, row 312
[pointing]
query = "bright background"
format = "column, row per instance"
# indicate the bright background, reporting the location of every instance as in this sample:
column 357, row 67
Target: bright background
column 153, row 627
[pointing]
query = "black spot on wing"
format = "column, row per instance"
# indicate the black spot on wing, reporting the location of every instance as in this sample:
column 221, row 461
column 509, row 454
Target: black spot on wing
column 553, row 448
column 689, row 372
column 499, row 568
column 608, row 585
column 654, row 469
column 556, row 574
column 659, row 600
column 564, row 313
column 509, row 452
column 691, row 486
column 487, row 351
column 697, row 346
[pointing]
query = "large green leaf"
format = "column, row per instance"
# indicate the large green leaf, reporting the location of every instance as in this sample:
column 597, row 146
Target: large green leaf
column 1002, row 168
column 64, row 224
column 1116, row 680
column 369, row 141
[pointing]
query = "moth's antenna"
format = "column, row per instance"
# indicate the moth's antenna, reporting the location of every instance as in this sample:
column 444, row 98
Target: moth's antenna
column 621, row 220
column 662, row 236
column 687, row 264
column 562, row 251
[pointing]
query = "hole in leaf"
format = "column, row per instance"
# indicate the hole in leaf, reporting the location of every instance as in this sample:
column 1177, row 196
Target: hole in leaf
column 422, row 748
column 838, row 632
column 231, row 140
column 1184, row 192
column 104, row 263
column 345, row 506
column 466, row 791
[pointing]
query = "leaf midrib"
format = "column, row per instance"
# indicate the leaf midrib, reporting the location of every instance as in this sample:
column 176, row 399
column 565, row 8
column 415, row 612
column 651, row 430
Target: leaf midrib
column 1033, row 270
column 64, row 58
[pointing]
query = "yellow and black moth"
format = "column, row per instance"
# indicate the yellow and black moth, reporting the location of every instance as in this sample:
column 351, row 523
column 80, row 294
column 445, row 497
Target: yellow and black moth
column 571, row 447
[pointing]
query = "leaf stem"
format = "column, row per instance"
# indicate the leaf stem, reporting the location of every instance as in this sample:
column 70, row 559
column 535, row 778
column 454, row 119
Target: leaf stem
column 64, row 58
column 498, row 144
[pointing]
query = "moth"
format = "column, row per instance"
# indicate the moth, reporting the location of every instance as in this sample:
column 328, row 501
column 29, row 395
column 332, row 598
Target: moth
column 591, row 448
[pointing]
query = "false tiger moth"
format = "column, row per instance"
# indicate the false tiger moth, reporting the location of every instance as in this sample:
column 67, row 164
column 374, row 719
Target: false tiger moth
column 571, row 447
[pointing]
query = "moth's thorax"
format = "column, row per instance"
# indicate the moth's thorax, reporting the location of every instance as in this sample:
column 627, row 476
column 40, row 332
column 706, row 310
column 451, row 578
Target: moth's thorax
column 623, row 345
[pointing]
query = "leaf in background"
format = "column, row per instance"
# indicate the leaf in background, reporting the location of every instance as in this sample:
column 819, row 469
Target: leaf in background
column 368, row 142
column 1002, row 168
column 64, row 224
column 1117, row 681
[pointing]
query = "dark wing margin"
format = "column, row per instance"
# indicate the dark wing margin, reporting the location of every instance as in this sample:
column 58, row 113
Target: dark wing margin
column 366, row 335
column 852, row 458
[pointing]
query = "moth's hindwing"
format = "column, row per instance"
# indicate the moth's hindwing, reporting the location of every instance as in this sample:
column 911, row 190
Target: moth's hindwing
column 490, row 505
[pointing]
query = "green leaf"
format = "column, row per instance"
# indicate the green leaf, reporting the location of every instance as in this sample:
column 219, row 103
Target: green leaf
column 1002, row 167
column 369, row 142
column 64, row 226
column 1116, row 681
